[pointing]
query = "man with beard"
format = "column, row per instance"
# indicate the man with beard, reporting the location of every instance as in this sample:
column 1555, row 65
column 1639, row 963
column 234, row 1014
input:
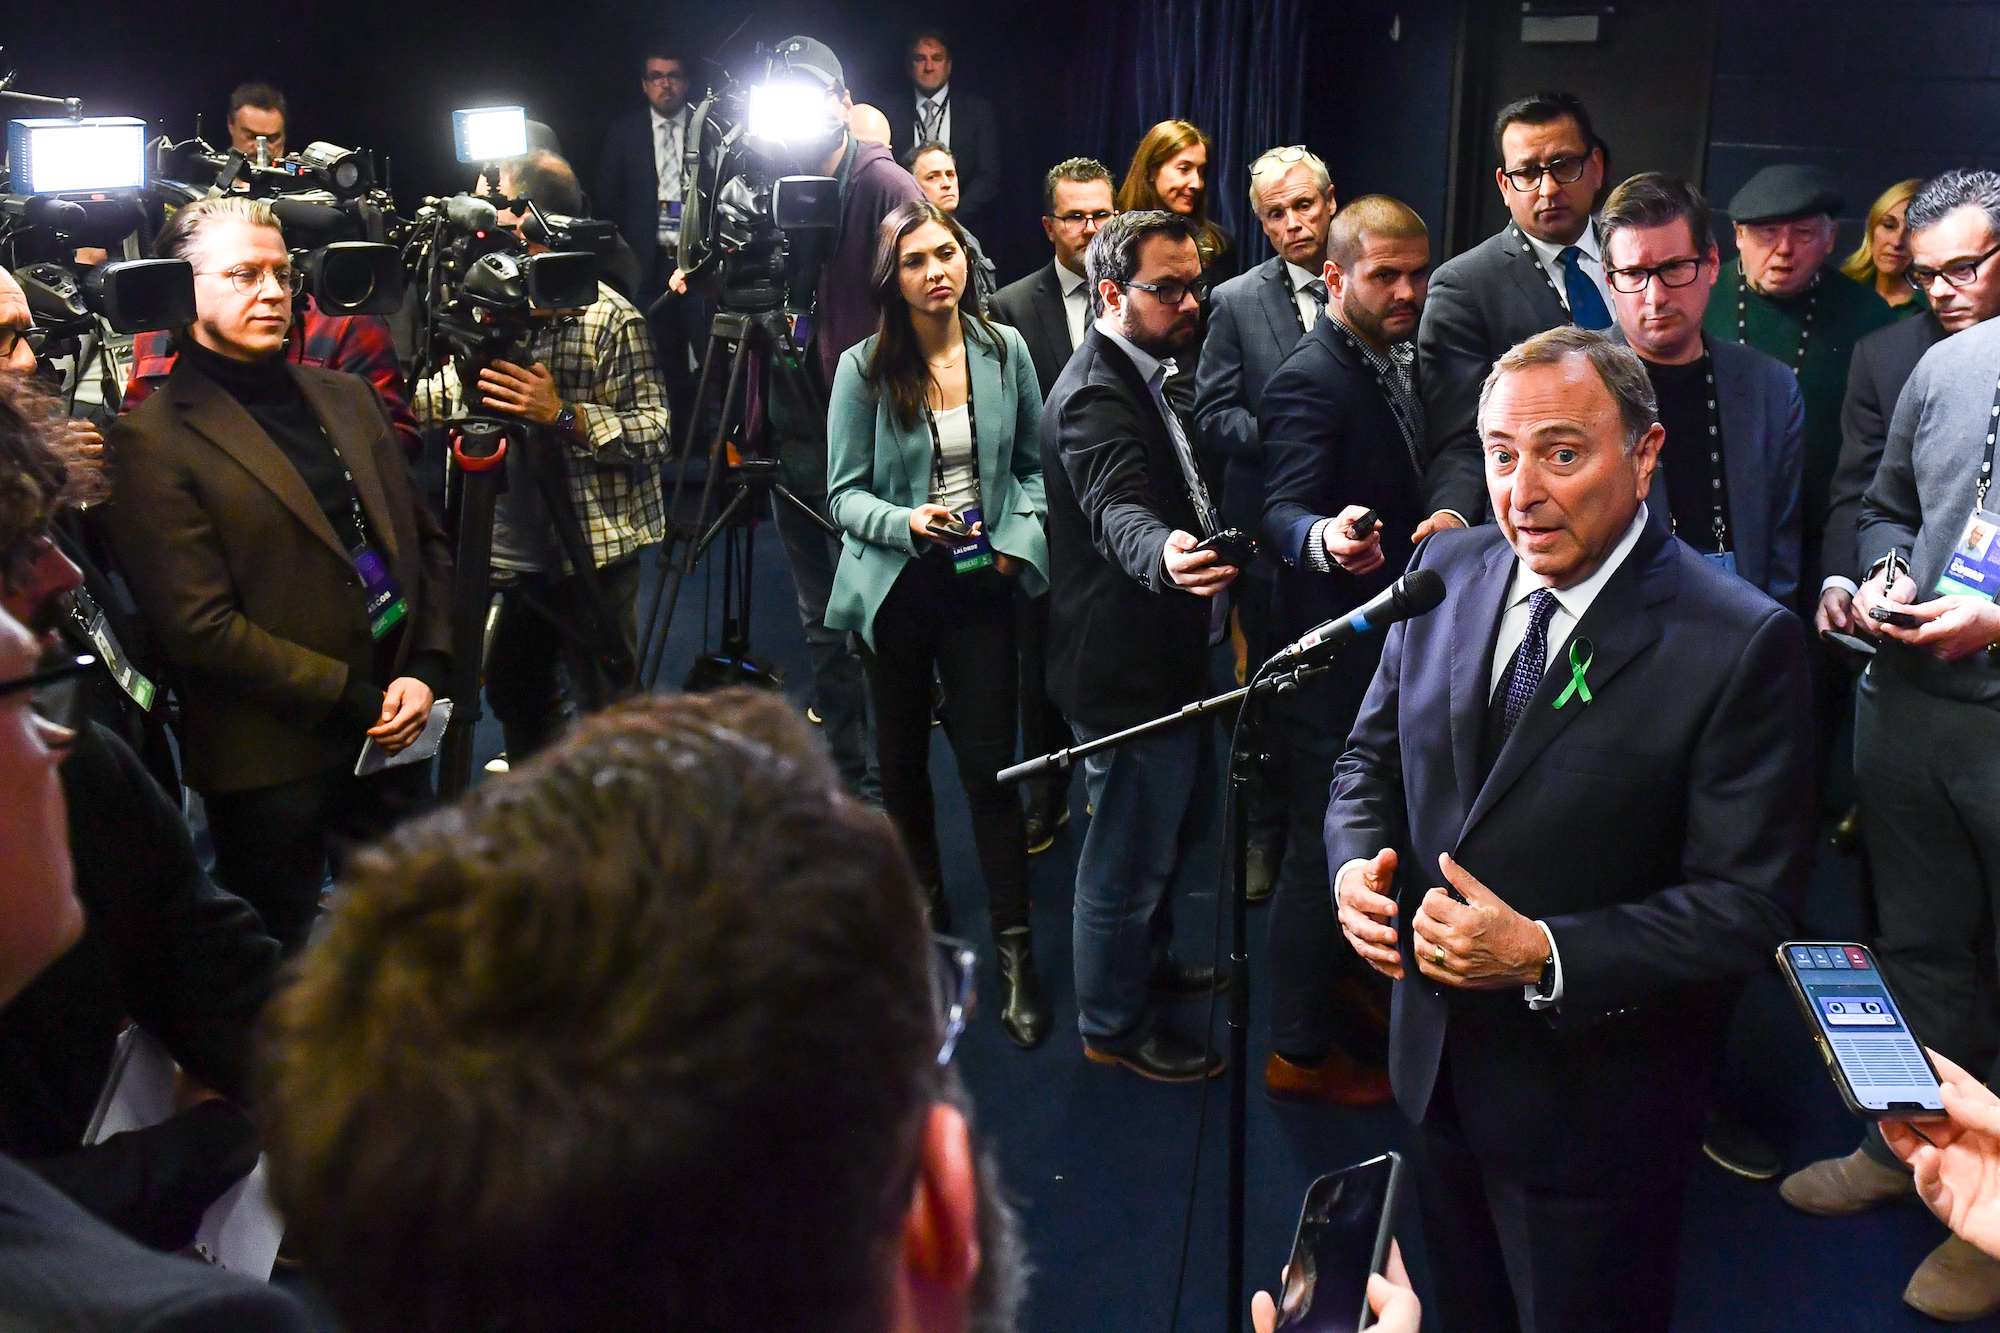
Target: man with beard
column 1343, row 433
column 1133, row 612
column 732, row 1107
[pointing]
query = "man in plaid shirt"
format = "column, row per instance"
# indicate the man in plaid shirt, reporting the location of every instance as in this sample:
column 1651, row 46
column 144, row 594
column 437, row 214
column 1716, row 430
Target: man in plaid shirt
column 359, row 344
column 592, row 382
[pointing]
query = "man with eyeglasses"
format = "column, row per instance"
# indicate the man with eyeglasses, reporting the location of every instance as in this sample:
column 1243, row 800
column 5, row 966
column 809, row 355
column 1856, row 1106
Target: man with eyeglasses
column 1051, row 308
column 1545, row 268
column 1927, row 712
column 734, row 1105
column 1134, row 610
column 266, row 522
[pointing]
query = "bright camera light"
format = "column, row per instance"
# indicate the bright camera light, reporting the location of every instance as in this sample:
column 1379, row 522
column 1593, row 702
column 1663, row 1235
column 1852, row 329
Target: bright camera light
column 60, row 156
column 490, row 133
column 789, row 111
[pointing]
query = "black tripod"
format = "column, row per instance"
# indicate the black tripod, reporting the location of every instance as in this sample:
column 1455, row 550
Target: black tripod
column 1242, row 754
column 737, row 337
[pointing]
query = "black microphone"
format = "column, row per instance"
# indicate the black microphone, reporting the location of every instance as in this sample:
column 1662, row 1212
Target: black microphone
column 1416, row 592
column 471, row 213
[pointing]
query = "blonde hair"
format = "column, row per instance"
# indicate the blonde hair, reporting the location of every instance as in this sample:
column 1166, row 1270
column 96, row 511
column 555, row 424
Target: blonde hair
column 1860, row 265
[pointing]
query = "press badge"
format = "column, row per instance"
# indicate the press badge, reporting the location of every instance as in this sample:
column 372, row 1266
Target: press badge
column 974, row 552
column 385, row 603
column 90, row 616
column 670, row 222
column 1974, row 567
column 1726, row 559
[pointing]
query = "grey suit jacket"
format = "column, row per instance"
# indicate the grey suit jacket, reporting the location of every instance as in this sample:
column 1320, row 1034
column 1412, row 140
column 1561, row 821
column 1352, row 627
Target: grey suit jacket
column 1481, row 303
column 1253, row 325
column 1763, row 464
column 1034, row 305
column 1876, row 374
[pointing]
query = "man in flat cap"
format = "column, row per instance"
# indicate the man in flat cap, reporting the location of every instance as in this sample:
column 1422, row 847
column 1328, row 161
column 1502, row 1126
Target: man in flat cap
column 1782, row 296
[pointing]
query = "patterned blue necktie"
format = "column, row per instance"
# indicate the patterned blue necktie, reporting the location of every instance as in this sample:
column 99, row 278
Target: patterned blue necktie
column 1531, row 660
column 1586, row 303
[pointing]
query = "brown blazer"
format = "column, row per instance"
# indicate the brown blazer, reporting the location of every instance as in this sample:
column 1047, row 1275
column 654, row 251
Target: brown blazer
column 253, row 599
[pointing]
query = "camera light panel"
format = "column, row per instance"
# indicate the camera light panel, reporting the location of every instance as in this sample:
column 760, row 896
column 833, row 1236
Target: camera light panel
column 788, row 111
column 62, row 156
column 490, row 133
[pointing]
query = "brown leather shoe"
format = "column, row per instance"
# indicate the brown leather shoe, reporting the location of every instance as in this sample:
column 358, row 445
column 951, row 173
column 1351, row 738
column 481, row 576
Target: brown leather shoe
column 1338, row 1080
column 1956, row 1283
column 1840, row 1186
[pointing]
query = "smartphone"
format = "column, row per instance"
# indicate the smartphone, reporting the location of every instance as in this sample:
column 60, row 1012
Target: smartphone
column 1233, row 545
column 1363, row 524
column 1901, row 619
column 1881, row 1071
column 1854, row 643
column 1345, row 1227
column 950, row 527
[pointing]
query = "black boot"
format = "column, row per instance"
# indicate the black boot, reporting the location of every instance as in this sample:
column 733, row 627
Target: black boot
column 1024, row 1011
column 940, row 908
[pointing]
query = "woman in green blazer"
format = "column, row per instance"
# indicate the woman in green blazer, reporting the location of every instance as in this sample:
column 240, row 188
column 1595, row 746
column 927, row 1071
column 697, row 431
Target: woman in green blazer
column 934, row 474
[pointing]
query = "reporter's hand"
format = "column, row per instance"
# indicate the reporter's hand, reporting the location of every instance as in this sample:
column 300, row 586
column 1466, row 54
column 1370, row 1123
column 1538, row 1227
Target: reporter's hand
column 1390, row 1296
column 528, row 392
column 1836, row 612
column 1874, row 594
column 1006, row 564
column 1363, row 894
column 923, row 516
column 678, row 283
column 1355, row 554
column 84, row 438
column 1958, row 1171
column 406, row 708
column 1198, row 572
column 1954, row 626
column 1437, row 522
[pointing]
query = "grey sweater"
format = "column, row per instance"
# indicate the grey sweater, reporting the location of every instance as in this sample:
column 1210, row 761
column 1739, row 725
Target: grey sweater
column 1925, row 490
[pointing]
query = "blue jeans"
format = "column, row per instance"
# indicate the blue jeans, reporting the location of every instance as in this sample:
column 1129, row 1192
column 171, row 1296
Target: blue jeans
column 1150, row 801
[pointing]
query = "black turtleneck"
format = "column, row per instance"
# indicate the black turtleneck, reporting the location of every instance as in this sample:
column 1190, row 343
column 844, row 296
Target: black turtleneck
column 1684, row 458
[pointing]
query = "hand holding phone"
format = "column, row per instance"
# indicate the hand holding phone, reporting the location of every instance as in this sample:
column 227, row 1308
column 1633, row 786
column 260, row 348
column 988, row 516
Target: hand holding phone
column 1363, row 523
column 1346, row 1228
column 950, row 526
column 1232, row 546
column 1900, row 619
column 1878, row 1067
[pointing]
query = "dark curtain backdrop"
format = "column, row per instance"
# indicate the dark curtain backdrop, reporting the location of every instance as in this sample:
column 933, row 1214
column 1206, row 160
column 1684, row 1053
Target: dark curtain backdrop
column 1235, row 68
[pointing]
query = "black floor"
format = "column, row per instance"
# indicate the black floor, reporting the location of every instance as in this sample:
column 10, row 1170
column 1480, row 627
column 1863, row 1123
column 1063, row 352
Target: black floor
column 1100, row 1161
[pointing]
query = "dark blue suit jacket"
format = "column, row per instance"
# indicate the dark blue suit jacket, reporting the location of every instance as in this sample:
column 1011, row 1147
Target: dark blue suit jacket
column 1331, row 440
column 1763, row 464
column 628, row 194
column 1253, row 325
column 1662, row 831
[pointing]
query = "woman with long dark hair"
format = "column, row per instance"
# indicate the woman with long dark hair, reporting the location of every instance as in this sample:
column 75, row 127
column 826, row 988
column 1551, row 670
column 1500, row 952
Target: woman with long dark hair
column 1170, row 172
column 934, row 474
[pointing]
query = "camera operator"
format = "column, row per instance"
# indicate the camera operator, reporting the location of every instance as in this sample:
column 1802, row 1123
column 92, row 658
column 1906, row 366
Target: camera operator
column 592, row 385
column 265, row 519
column 258, row 111
column 161, row 944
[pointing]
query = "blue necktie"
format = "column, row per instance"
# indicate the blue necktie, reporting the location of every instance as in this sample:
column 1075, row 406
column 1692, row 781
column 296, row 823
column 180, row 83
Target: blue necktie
column 1531, row 660
column 1586, row 303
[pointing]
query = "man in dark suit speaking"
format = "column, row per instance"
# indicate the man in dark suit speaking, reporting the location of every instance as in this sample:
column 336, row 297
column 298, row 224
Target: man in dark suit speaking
column 1602, row 743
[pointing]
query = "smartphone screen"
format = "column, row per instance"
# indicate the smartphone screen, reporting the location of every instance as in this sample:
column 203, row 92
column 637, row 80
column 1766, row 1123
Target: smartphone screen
column 1883, row 1067
column 1344, row 1232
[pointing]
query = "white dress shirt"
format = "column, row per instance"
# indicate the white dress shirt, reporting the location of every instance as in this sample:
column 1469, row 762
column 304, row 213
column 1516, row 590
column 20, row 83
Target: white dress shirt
column 1076, row 302
column 941, row 98
column 669, row 142
column 1592, row 261
column 1308, row 308
column 1571, row 604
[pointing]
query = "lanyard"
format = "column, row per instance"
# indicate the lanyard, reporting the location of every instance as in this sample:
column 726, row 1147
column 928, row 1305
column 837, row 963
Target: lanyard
column 1986, row 463
column 1535, row 258
column 1719, row 523
column 937, row 444
column 1292, row 297
column 930, row 118
column 1743, row 319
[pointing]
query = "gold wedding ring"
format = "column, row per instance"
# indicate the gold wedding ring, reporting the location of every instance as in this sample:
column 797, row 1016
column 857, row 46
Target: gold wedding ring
column 1437, row 956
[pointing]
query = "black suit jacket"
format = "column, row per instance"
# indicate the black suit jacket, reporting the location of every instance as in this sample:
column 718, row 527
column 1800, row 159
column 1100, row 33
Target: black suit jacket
column 1125, row 643
column 1481, row 303
column 975, row 143
column 1876, row 374
column 1662, row 831
column 1253, row 325
column 628, row 194
column 62, row 1269
column 1034, row 305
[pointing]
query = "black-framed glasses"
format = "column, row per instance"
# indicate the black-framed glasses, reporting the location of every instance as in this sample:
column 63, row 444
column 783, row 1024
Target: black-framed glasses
column 249, row 279
column 1673, row 273
column 1565, row 170
column 55, row 692
column 953, row 965
column 1096, row 218
column 10, row 337
column 655, row 76
column 1172, row 292
column 1959, row 273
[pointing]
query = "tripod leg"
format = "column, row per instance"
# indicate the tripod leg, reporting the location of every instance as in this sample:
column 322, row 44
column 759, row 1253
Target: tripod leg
column 782, row 492
column 685, row 451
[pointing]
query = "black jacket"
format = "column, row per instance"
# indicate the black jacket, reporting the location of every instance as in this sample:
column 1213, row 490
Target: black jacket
column 1034, row 305
column 61, row 1269
column 1253, row 325
column 1876, row 374
column 628, row 195
column 975, row 144
column 1125, row 643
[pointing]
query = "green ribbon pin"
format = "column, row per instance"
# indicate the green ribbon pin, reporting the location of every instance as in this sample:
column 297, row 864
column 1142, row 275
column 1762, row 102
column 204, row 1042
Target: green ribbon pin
column 1580, row 655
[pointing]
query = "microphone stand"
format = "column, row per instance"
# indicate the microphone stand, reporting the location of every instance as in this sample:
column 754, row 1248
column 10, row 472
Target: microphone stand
column 1243, row 742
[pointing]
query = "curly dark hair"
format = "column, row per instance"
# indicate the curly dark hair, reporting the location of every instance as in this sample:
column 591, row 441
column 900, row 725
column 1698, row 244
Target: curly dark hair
column 43, row 470
column 639, row 1037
